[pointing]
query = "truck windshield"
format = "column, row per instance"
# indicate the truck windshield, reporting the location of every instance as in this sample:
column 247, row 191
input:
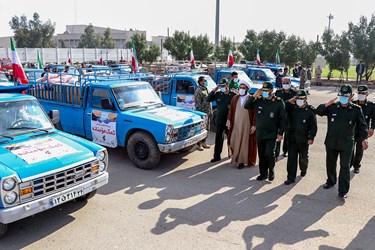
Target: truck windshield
column 20, row 117
column 242, row 75
column 140, row 95
column 269, row 74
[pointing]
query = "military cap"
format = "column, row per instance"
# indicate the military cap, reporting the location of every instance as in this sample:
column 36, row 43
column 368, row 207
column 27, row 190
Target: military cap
column 223, row 81
column 267, row 86
column 362, row 88
column 345, row 90
column 301, row 93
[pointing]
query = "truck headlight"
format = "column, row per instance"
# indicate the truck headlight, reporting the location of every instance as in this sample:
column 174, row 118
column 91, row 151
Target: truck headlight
column 9, row 184
column 102, row 156
column 169, row 129
column 10, row 198
column 168, row 133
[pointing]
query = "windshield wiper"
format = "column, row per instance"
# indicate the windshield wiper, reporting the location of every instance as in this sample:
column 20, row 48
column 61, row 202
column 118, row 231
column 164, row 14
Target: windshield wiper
column 6, row 136
column 33, row 128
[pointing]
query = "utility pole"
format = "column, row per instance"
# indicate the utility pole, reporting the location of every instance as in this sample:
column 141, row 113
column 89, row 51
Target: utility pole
column 217, row 23
column 330, row 17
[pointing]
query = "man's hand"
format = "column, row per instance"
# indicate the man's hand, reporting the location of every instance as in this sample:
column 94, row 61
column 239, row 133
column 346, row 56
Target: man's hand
column 292, row 100
column 330, row 102
column 279, row 138
column 351, row 97
column 252, row 129
column 258, row 93
column 370, row 132
column 310, row 142
column 216, row 88
column 365, row 144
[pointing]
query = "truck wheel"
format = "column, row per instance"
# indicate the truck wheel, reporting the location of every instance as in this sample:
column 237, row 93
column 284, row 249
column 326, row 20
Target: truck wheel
column 3, row 229
column 86, row 196
column 143, row 150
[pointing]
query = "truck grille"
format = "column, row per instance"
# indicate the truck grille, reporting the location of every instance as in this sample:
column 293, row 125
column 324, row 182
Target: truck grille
column 189, row 131
column 56, row 182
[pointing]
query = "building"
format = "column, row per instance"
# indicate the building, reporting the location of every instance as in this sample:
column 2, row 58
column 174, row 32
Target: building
column 72, row 35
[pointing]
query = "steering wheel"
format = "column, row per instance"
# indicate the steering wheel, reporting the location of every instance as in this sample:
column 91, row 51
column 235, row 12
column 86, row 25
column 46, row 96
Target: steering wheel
column 19, row 123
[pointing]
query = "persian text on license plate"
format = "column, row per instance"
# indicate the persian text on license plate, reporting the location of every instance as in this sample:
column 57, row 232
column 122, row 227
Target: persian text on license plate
column 65, row 197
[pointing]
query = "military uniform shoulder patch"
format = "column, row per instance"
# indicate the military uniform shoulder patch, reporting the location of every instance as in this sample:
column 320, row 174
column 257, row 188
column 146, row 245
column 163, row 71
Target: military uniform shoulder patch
column 356, row 105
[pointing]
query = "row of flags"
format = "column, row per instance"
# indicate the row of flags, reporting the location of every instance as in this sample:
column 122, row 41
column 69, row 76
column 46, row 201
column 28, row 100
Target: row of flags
column 230, row 60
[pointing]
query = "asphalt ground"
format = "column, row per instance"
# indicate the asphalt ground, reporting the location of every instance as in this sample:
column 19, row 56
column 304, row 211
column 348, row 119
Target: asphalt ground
column 190, row 203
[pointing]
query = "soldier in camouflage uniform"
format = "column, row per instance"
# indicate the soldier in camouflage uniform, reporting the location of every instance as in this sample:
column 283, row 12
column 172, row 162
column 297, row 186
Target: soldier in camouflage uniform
column 345, row 120
column 201, row 104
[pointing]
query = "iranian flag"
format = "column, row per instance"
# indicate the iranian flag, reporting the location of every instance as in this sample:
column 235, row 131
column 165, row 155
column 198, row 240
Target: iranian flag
column 134, row 59
column 101, row 61
column 230, row 61
column 277, row 57
column 259, row 62
column 69, row 59
column 192, row 60
column 40, row 63
column 18, row 72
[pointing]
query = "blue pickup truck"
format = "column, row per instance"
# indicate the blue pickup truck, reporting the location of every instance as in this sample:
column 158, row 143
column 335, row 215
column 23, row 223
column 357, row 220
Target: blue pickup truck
column 124, row 113
column 40, row 166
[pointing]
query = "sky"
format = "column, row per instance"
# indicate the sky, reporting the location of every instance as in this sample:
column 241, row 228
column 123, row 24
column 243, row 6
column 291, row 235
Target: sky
column 306, row 19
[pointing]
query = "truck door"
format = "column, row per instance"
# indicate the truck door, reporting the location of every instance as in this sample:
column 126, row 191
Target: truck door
column 101, row 118
column 183, row 94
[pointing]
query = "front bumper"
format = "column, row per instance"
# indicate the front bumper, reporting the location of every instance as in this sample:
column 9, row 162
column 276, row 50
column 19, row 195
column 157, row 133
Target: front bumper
column 11, row 214
column 173, row 147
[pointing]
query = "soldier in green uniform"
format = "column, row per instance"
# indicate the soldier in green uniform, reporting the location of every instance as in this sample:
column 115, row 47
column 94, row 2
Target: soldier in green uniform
column 345, row 119
column 302, row 129
column 223, row 96
column 201, row 104
column 270, row 127
column 368, row 109
column 286, row 93
column 233, row 84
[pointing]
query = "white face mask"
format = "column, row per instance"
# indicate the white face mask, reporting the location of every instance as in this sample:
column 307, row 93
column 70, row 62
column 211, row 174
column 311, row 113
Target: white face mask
column 300, row 102
column 286, row 86
column 242, row 91
column 236, row 80
column 361, row 97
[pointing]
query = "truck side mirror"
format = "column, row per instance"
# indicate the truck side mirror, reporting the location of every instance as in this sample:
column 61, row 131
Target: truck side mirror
column 55, row 118
column 191, row 90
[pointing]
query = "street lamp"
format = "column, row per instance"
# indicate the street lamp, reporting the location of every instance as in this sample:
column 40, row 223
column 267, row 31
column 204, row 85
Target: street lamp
column 330, row 17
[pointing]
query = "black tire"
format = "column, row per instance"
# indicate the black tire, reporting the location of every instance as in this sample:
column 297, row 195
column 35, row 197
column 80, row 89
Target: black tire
column 86, row 196
column 3, row 229
column 186, row 149
column 143, row 150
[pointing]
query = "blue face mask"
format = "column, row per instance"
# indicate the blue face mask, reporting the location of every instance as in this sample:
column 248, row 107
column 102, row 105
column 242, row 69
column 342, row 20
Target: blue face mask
column 223, row 89
column 205, row 84
column 344, row 99
column 265, row 94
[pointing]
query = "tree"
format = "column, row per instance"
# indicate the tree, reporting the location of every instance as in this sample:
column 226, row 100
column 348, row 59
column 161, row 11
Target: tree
column 202, row 47
column 151, row 53
column 89, row 39
column 308, row 53
column 222, row 51
column 107, row 41
column 178, row 45
column 32, row 33
column 290, row 50
column 62, row 43
column 250, row 45
column 336, row 50
column 362, row 41
column 140, row 44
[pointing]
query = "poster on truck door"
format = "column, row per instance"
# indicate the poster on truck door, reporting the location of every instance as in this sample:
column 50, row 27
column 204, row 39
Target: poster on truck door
column 103, row 128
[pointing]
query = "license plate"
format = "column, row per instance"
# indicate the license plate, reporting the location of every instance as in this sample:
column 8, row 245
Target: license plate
column 65, row 197
column 191, row 142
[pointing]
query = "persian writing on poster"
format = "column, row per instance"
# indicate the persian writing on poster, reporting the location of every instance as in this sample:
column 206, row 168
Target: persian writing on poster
column 103, row 128
column 40, row 150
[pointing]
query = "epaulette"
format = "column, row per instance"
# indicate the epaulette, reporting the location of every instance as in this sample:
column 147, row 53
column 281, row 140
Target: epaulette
column 311, row 107
column 356, row 105
column 278, row 98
